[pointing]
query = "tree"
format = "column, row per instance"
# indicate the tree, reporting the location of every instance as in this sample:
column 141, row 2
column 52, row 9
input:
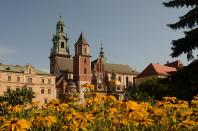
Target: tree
column 18, row 96
column 188, row 43
column 155, row 88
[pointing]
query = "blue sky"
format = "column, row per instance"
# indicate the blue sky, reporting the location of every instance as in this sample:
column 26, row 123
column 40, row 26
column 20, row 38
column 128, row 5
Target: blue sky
column 133, row 32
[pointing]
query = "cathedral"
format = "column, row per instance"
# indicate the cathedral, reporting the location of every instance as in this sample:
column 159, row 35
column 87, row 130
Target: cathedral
column 72, row 71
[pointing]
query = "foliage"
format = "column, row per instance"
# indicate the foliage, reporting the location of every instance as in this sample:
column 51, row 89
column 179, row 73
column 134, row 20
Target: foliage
column 155, row 88
column 184, row 82
column 102, row 113
column 189, row 20
column 18, row 96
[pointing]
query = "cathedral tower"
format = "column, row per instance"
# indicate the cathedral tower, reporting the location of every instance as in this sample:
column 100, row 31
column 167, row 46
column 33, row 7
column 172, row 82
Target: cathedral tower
column 60, row 49
column 82, row 61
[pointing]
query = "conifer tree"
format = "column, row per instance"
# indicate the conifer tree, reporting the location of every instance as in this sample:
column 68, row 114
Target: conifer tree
column 188, row 21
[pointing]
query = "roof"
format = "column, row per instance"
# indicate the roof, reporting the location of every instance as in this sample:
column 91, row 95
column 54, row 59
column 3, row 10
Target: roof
column 20, row 69
column 119, row 68
column 156, row 69
column 81, row 40
column 176, row 64
column 64, row 64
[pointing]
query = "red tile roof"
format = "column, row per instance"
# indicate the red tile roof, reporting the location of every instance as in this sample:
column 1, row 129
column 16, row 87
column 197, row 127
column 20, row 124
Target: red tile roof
column 176, row 64
column 156, row 69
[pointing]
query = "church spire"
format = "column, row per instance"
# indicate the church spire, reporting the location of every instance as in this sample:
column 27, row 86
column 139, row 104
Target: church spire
column 60, row 25
column 60, row 40
column 101, row 55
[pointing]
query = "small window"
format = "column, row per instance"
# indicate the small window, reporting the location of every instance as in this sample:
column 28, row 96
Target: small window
column 45, row 100
column 18, row 79
column 29, row 80
column 42, row 91
column 85, row 71
column 62, row 45
column 8, row 88
column 9, row 78
column 85, row 61
column 49, row 91
column 49, row 81
column 119, row 78
column 61, row 29
column 43, row 81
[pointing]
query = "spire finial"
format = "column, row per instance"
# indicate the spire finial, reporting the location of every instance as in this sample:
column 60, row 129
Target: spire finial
column 101, row 48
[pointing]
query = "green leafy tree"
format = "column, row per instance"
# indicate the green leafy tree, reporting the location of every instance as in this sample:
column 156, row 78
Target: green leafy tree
column 18, row 96
column 189, row 21
column 155, row 88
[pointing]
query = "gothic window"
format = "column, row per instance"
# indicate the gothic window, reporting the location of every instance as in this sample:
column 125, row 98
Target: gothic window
column 62, row 45
column 85, row 71
column 61, row 29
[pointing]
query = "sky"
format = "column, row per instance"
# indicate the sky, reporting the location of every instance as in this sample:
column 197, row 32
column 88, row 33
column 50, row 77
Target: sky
column 132, row 32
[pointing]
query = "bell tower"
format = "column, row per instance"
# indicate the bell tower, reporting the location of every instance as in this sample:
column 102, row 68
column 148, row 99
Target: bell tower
column 82, row 61
column 60, row 47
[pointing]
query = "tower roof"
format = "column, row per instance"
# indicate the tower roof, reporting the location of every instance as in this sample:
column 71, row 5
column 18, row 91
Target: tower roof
column 60, row 21
column 81, row 40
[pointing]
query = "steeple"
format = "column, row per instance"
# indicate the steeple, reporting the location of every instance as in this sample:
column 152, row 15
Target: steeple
column 82, row 61
column 60, row 41
column 60, row 25
column 82, row 46
column 101, row 55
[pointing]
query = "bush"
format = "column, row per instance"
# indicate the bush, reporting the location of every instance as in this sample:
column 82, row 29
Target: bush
column 18, row 96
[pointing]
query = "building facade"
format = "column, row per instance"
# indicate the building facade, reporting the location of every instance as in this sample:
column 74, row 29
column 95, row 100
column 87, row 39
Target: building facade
column 80, row 69
column 16, row 76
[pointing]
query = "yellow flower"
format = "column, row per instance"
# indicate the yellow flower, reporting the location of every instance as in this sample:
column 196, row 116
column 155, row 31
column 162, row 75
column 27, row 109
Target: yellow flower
column 112, row 110
column 188, row 123
column 146, row 122
column 194, row 103
column 57, row 106
column 130, row 105
column 46, row 121
column 112, row 98
column 186, row 113
column 159, row 112
column 170, row 99
column 15, row 109
column 16, row 125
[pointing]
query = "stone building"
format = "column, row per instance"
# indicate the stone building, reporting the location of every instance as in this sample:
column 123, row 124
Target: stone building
column 80, row 68
column 16, row 76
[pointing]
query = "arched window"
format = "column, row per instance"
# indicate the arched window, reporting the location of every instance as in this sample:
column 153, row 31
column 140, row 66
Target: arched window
column 85, row 71
column 85, row 61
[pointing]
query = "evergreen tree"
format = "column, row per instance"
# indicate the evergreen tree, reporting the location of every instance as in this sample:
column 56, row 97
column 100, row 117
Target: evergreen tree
column 189, row 21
